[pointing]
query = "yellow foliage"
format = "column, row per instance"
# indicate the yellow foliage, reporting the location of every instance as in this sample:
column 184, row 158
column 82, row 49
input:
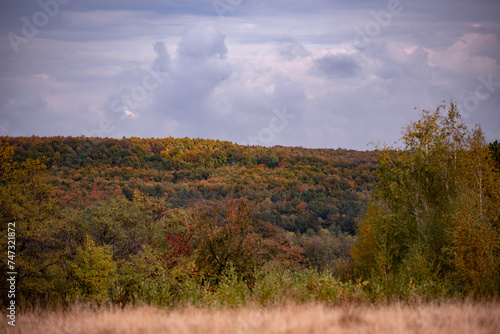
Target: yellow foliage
column 365, row 250
column 92, row 273
column 165, row 153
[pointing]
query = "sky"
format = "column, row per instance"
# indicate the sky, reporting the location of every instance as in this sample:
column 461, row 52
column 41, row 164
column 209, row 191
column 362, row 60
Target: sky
column 316, row 74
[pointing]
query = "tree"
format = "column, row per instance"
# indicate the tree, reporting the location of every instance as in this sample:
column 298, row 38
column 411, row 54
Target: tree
column 223, row 239
column 435, row 214
column 495, row 152
column 91, row 273
column 26, row 202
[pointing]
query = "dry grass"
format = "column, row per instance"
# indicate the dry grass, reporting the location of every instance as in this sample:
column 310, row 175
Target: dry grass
column 397, row 318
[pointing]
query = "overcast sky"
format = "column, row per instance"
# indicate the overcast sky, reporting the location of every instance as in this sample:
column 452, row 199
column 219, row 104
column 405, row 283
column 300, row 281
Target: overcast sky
column 311, row 73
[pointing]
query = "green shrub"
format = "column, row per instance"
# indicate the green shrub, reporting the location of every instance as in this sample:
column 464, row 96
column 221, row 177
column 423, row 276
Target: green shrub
column 91, row 274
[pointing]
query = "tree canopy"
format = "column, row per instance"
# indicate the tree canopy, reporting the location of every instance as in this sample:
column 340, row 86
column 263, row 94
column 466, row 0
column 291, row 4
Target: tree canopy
column 434, row 220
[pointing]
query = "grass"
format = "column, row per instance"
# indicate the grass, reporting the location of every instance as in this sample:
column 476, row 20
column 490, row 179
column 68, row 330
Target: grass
column 446, row 317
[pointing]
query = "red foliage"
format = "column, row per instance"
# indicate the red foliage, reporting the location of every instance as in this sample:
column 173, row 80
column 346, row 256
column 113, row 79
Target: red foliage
column 180, row 246
column 282, row 164
column 300, row 206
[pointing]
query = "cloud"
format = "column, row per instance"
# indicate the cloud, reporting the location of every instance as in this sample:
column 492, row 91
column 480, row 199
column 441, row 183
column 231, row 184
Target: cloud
column 337, row 65
column 202, row 42
column 471, row 52
column 223, row 78
column 289, row 49
column 198, row 68
column 162, row 62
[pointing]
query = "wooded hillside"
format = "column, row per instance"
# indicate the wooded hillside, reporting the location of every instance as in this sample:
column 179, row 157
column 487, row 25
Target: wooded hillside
column 173, row 222
column 298, row 188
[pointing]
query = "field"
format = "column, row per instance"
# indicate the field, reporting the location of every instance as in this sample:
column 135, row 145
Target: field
column 396, row 318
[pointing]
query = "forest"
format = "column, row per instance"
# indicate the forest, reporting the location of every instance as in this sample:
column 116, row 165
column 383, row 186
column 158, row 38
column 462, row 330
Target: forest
column 174, row 222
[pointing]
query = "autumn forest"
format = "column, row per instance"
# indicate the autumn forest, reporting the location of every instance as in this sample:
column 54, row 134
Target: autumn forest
column 172, row 222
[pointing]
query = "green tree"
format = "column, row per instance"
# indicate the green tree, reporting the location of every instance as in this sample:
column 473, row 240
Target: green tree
column 25, row 200
column 91, row 273
column 437, row 197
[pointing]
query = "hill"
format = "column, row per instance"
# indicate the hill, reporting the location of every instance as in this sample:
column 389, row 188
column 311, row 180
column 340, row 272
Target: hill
column 299, row 189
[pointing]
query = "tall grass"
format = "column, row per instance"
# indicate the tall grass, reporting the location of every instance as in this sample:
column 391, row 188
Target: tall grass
column 289, row 318
column 278, row 301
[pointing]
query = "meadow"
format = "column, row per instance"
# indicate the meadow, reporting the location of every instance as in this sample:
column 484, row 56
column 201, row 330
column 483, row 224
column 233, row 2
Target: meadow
column 446, row 317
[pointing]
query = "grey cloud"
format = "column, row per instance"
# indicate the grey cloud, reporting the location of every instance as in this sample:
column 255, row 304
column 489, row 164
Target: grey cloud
column 289, row 50
column 166, row 7
column 201, row 42
column 227, row 88
column 395, row 63
column 198, row 68
column 162, row 62
column 487, row 45
column 28, row 117
column 339, row 65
